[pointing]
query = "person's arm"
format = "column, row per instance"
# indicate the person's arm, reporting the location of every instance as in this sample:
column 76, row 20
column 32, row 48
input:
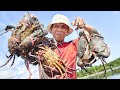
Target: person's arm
column 79, row 22
column 90, row 29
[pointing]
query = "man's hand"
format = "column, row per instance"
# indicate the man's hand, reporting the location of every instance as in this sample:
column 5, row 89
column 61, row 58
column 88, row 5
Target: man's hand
column 79, row 22
column 51, row 72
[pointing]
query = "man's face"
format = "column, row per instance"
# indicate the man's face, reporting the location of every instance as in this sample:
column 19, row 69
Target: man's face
column 59, row 31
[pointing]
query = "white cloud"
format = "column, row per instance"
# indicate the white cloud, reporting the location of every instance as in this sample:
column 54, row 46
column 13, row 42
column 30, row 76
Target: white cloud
column 18, row 70
column 115, row 12
column 2, row 25
column 7, row 75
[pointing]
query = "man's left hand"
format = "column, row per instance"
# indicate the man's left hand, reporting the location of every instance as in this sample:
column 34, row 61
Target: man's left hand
column 79, row 22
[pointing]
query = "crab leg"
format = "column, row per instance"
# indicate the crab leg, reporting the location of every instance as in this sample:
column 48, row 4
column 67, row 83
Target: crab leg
column 7, row 61
column 13, row 60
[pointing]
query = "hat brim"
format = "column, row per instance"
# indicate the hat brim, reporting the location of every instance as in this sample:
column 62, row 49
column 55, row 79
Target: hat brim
column 69, row 31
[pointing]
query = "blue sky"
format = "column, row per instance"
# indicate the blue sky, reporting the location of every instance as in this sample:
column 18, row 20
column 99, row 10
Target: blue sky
column 106, row 22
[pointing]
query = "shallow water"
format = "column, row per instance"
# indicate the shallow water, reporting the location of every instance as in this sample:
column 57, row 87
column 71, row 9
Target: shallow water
column 116, row 76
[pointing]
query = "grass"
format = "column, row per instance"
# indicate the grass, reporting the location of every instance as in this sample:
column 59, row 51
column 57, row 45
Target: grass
column 97, row 69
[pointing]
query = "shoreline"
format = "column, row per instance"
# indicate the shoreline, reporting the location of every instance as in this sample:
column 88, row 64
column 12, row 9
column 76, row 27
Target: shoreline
column 100, row 73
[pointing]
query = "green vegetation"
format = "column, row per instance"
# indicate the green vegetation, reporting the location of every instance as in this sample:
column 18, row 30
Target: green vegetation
column 100, row 68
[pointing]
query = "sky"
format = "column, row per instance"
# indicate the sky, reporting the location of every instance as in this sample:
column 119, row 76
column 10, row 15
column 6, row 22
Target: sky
column 106, row 22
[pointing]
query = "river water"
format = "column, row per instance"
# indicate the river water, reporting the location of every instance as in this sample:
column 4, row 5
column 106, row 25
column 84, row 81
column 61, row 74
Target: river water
column 116, row 76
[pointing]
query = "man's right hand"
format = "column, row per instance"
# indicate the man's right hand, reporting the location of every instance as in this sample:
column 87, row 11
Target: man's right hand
column 51, row 72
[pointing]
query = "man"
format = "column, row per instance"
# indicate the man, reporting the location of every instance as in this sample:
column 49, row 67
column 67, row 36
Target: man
column 59, row 28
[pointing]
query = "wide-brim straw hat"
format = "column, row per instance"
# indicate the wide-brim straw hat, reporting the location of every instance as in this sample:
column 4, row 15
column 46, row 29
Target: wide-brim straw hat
column 59, row 18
